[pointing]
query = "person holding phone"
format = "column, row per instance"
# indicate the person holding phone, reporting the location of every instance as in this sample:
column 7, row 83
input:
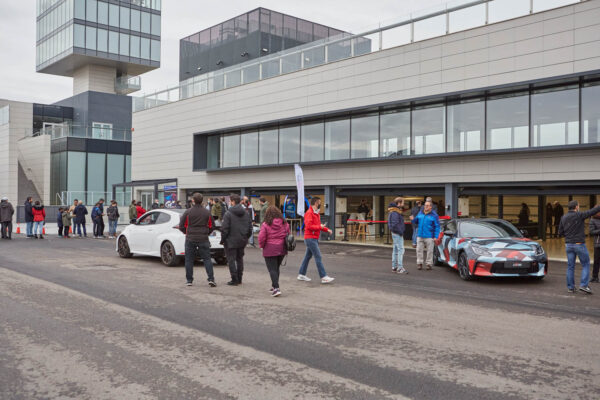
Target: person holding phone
column 312, row 230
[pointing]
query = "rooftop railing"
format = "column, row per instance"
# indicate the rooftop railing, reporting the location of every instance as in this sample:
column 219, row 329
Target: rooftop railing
column 80, row 131
column 454, row 16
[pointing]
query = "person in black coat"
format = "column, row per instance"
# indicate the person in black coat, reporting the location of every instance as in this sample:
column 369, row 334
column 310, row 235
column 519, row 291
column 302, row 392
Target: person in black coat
column 595, row 232
column 80, row 213
column 29, row 216
column 558, row 213
column 236, row 229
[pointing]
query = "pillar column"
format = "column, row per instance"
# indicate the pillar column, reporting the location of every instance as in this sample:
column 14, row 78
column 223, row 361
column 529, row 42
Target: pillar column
column 329, row 204
column 451, row 199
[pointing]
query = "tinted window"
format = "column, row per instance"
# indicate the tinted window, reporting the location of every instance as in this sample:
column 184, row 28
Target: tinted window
column 466, row 130
column 555, row 117
column 508, row 123
column 428, row 130
column 487, row 229
column 162, row 218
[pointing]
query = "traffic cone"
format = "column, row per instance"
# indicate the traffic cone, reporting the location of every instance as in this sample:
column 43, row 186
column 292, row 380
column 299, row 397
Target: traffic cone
column 18, row 229
column 70, row 229
column 44, row 230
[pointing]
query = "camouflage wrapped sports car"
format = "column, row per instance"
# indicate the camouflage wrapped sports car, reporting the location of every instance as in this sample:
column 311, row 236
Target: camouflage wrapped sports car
column 489, row 247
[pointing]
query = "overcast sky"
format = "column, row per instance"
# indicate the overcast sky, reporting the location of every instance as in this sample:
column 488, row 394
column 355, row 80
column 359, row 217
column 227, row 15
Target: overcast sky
column 180, row 18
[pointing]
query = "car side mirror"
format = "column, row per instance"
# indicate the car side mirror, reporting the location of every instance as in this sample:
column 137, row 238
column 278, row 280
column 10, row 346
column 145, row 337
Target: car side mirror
column 524, row 233
column 449, row 233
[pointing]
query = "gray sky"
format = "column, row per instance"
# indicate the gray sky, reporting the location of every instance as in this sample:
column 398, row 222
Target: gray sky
column 180, row 18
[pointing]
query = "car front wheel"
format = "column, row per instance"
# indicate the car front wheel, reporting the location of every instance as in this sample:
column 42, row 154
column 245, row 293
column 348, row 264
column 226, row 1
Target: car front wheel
column 124, row 251
column 463, row 267
column 168, row 255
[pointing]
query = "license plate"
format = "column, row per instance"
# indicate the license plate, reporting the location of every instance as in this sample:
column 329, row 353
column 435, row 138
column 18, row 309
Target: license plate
column 517, row 264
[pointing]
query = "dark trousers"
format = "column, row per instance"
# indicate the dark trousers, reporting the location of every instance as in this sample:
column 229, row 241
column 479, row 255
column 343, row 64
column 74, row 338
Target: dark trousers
column 66, row 230
column 596, row 262
column 235, row 259
column 60, row 230
column 101, row 227
column 273, row 264
column 78, row 227
column 6, row 230
column 197, row 249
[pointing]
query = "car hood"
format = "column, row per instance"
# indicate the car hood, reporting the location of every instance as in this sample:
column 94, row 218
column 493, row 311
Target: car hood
column 505, row 243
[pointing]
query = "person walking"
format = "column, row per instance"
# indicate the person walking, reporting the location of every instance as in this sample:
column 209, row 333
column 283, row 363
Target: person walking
column 39, row 216
column 250, row 210
column 6, row 214
column 112, row 213
column 264, row 204
column 595, row 232
column 80, row 212
column 413, row 221
column 235, row 231
column 558, row 214
column 396, row 227
column 572, row 227
column 139, row 209
column 66, row 221
column 312, row 231
column 132, row 212
column 271, row 239
column 197, row 224
column 29, row 216
column 59, row 222
column 428, row 231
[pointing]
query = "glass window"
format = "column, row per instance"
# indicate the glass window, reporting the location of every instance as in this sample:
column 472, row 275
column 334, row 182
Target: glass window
column 123, row 44
column 145, row 48
column 79, row 9
column 429, row 130
column 155, row 50
column 289, row 27
column 76, row 171
column 395, row 133
column 241, row 26
column 90, row 37
column 466, row 126
column 289, row 145
column 135, row 46
column 145, row 22
column 156, row 24
column 79, row 36
column 312, row 141
column 127, row 168
column 113, row 15
column 508, row 122
column 135, row 20
column 249, row 149
column 305, row 31
column 365, row 136
column 337, row 139
column 115, row 170
column 590, row 112
column 213, row 152
column 230, row 151
column 113, row 42
column 253, row 21
column 555, row 117
column 95, row 175
column 92, row 10
column 124, row 18
column 102, row 13
column 268, row 146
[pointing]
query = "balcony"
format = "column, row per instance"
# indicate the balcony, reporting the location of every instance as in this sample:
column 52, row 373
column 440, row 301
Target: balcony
column 84, row 132
column 127, row 84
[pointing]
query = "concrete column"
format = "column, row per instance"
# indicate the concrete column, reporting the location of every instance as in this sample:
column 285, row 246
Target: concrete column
column 329, row 204
column 451, row 199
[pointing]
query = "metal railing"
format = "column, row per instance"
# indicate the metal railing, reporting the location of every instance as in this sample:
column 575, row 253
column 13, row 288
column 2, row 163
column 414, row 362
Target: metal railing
column 80, row 131
column 127, row 84
column 91, row 197
column 445, row 19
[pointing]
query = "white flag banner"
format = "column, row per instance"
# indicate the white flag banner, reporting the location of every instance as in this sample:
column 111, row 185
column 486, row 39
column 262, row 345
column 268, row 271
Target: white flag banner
column 300, row 188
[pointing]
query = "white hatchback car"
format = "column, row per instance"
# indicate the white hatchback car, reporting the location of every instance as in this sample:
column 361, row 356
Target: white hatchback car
column 157, row 234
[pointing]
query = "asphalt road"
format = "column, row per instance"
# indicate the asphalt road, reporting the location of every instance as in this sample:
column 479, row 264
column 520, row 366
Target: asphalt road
column 79, row 322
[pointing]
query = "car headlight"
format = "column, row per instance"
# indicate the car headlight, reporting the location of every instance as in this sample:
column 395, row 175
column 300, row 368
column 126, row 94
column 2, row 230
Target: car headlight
column 539, row 251
column 481, row 251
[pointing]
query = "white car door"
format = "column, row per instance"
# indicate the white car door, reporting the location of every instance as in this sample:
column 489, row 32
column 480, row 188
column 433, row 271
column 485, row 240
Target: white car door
column 143, row 233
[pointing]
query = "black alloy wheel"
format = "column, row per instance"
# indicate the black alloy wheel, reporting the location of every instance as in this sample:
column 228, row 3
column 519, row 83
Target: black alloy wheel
column 436, row 257
column 167, row 254
column 124, row 251
column 463, row 267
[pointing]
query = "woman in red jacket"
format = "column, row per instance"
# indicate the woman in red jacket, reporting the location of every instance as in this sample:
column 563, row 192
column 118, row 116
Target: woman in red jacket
column 271, row 239
column 140, row 210
column 39, row 215
column 312, row 230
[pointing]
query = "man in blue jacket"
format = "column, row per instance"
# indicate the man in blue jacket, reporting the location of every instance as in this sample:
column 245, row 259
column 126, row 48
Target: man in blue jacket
column 428, row 231
column 396, row 226
column 29, row 216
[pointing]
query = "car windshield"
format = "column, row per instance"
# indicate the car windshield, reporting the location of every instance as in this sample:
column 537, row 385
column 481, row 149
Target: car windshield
column 487, row 229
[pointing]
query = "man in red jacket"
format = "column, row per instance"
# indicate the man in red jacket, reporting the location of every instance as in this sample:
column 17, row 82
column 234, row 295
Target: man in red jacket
column 312, row 230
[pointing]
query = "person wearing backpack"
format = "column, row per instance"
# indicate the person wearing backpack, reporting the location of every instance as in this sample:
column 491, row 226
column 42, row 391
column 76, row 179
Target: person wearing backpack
column 97, row 221
column 80, row 212
column 235, row 231
column 113, row 218
column 396, row 226
column 272, row 239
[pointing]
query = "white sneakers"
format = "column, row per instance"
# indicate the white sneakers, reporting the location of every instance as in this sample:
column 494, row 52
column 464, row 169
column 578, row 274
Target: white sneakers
column 325, row 279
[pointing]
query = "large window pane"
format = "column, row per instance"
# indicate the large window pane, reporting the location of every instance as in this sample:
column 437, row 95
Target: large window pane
column 113, row 15
column 230, row 151
column 102, row 40
column 155, row 50
column 102, row 13
column 289, row 144
column 555, row 117
column 80, row 9
column 213, row 152
column 249, row 149
column 590, row 111
column 337, row 139
column 156, row 24
column 135, row 20
column 115, row 170
column 92, row 9
column 124, row 18
column 95, row 176
column 466, row 126
column 145, row 48
column 395, row 133
column 123, row 44
column 268, row 146
column 312, row 141
column 145, row 22
column 113, row 42
column 90, row 37
column 79, row 36
column 508, row 122
column 76, row 171
column 365, row 137
column 429, row 130
column 135, row 46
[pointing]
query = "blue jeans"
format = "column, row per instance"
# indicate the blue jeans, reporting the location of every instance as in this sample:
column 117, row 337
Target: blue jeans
column 397, row 250
column 112, row 227
column 573, row 251
column 414, row 234
column 37, row 227
column 312, row 249
column 78, row 229
column 197, row 249
column 29, row 228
